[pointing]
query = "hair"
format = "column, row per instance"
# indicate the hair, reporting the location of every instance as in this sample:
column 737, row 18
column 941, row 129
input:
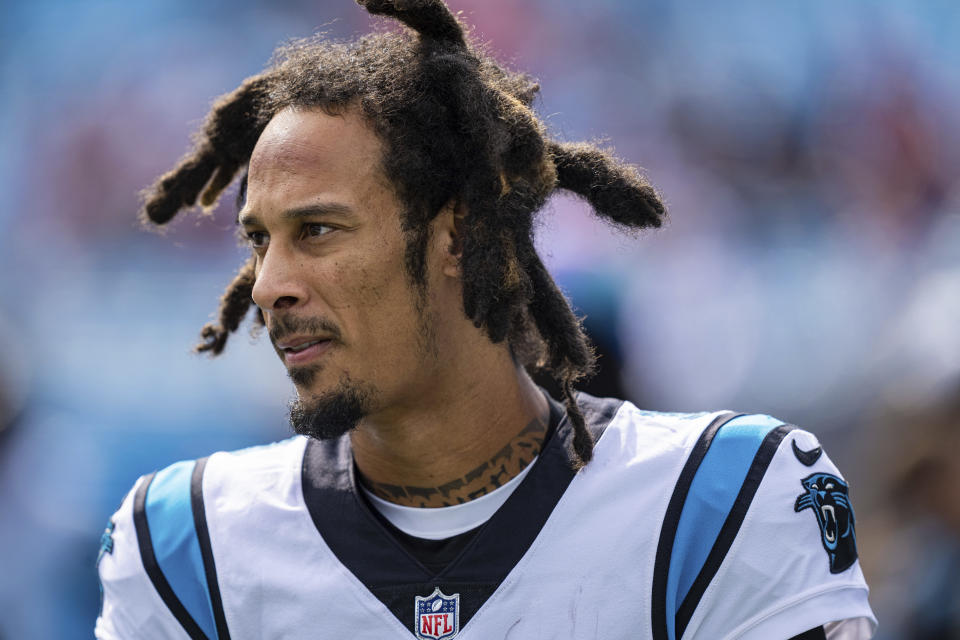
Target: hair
column 456, row 127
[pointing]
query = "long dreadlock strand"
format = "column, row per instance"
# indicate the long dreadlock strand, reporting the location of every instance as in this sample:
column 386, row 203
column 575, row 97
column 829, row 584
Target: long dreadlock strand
column 507, row 190
column 222, row 177
column 430, row 18
column 615, row 190
column 229, row 135
column 569, row 351
column 234, row 304
column 582, row 439
column 179, row 187
column 569, row 354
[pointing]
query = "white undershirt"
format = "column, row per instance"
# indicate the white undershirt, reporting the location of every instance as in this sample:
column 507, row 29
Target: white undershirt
column 437, row 523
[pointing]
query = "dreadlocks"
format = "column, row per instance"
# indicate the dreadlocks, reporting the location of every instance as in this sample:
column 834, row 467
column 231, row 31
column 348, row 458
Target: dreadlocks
column 457, row 127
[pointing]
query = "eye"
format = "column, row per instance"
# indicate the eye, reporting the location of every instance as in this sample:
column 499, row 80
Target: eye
column 316, row 229
column 829, row 485
column 257, row 239
column 814, row 486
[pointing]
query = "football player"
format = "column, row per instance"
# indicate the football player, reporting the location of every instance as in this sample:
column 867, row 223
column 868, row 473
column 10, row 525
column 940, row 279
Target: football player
column 389, row 187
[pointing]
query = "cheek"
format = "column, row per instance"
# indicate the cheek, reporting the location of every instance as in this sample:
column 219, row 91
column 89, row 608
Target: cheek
column 372, row 299
column 364, row 286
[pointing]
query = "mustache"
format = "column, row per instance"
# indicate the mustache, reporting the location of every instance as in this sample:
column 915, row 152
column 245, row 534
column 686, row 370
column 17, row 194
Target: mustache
column 284, row 326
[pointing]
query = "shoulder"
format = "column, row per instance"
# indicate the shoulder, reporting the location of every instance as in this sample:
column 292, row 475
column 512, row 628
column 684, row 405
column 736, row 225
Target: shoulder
column 130, row 605
column 758, row 538
column 155, row 558
column 172, row 502
column 629, row 434
column 248, row 471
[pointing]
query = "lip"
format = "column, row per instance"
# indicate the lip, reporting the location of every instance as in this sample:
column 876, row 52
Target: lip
column 310, row 353
column 300, row 338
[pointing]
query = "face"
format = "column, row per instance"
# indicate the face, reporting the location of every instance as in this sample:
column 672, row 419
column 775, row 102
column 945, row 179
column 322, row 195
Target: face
column 325, row 226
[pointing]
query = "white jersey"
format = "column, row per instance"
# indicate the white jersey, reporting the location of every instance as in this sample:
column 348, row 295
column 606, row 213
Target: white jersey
column 708, row 526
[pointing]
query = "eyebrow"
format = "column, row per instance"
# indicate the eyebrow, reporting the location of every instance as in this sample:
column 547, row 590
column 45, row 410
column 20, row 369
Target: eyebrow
column 308, row 211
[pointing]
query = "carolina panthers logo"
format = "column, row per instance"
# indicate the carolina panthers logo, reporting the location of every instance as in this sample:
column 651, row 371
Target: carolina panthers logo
column 828, row 497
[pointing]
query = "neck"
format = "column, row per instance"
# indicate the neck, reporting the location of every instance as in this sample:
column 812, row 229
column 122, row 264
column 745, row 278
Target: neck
column 459, row 443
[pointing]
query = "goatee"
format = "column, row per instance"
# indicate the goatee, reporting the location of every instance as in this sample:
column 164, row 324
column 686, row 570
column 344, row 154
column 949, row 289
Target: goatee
column 332, row 414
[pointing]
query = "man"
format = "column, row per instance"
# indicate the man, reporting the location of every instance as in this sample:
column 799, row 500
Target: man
column 434, row 491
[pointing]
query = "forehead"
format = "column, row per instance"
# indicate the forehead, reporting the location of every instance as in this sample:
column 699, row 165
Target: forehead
column 307, row 151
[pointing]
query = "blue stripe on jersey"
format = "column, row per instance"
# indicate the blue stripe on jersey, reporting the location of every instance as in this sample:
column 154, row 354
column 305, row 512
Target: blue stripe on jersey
column 175, row 544
column 712, row 494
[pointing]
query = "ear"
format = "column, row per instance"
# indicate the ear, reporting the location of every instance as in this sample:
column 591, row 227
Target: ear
column 448, row 237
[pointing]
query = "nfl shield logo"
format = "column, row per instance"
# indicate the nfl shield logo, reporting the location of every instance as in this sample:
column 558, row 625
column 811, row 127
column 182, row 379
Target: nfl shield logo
column 437, row 617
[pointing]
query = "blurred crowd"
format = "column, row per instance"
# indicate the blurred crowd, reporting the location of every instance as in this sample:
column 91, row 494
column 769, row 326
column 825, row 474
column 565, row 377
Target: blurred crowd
column 809, row 153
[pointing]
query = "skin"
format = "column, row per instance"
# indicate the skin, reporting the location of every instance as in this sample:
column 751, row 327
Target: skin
column 482, row 479
column 445, row 400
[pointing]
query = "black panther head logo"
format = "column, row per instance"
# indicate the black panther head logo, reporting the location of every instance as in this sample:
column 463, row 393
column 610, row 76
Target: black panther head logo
column 828, row 497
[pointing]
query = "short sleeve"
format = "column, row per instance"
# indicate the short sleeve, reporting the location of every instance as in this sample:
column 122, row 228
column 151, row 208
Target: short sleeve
column 792, row 564
column 131, row 607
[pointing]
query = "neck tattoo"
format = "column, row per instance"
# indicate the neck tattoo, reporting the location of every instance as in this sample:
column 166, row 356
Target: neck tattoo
column 492, row 474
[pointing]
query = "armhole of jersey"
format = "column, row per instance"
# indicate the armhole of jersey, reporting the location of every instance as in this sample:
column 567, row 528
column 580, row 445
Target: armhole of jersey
column 174, row 543
column 708, row 505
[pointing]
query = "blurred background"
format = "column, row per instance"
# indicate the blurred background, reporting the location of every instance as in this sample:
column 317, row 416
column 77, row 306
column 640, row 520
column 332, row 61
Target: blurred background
column 809, row 153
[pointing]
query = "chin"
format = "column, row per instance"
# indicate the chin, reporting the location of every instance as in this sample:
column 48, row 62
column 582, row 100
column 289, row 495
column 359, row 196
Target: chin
column 330, row 414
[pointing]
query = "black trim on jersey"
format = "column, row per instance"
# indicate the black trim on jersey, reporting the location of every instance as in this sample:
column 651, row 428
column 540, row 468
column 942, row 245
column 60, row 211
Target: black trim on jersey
column 435, row 555
column 812, row 634
column 731, row 526
column 671, row 519
column 390, row 571
column 206, row 550
column 153, row 569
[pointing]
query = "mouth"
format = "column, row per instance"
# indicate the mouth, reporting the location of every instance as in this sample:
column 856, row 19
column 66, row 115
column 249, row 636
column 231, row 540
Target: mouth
column 300, row 350
column 830, row 523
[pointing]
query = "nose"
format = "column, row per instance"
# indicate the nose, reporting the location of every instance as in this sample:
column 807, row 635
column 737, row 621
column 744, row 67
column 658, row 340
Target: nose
column 279, row 283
